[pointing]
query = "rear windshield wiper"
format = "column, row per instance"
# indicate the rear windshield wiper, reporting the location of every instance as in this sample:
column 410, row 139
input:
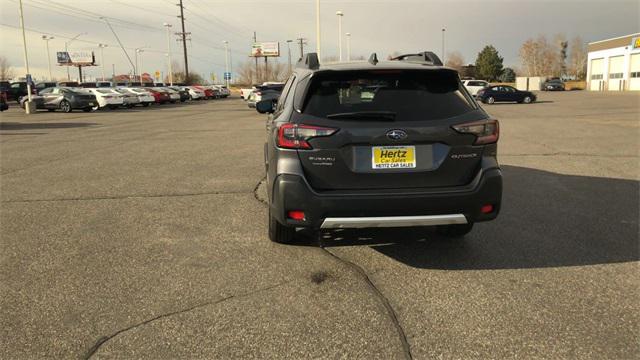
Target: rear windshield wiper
column 368, row 115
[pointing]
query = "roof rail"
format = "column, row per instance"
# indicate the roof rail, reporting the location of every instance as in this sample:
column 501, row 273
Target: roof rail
column 428, row 57
column 373, row 59
column 310, row 62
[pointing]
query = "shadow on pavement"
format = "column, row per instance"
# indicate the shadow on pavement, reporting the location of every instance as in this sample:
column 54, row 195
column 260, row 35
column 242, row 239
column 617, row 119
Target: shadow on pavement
column 43, row 125
column 546, row 220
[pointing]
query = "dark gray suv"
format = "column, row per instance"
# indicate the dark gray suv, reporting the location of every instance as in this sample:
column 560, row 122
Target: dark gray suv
column 379, row 144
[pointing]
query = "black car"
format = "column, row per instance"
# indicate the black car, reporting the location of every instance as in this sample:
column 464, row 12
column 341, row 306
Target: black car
column 18, row 89
column 553, row 85
column 505, row 93
column 68, row 99
column 184, row 93
column 379, row 144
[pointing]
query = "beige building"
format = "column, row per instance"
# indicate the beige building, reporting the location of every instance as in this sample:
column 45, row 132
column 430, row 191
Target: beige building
column 614, row 64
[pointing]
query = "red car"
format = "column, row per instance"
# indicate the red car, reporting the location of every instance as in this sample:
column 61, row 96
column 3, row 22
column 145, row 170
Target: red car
column 161, row 97
column 208, row 93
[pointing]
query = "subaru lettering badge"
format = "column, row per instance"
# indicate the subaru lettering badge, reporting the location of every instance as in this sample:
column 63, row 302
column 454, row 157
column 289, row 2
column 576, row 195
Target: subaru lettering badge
column 397, row 134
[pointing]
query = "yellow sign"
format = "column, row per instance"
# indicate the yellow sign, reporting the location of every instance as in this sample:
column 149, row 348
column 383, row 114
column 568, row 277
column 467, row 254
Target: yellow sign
column 635, row 43
column 393, row 157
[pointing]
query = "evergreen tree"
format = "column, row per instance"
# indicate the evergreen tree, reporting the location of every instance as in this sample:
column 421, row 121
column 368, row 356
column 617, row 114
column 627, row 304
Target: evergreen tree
column 489, row 64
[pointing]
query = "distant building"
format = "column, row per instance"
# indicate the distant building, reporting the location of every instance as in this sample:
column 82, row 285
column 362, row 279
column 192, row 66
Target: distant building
column 614, row 64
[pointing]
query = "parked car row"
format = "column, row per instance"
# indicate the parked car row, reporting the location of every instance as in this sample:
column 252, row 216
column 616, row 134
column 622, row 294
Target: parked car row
column 488, row 94
column 70, row 96
column 266, row 91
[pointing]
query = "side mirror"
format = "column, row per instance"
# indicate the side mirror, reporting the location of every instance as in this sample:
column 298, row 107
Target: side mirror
column 266, row 106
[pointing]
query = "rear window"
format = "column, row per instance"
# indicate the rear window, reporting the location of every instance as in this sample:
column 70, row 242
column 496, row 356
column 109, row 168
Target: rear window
column 412, row 95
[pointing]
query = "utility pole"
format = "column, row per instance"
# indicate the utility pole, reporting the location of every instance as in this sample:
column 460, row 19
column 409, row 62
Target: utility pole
column 301, row 42
column 318, row 29
column 289, row 51
column 168, row 26
column 184, row 43
column 340, row 14
column 46, row 38
column 443, row 45
column 102, row 46
column 29, row 107
column 226, row 62
column 255, row 40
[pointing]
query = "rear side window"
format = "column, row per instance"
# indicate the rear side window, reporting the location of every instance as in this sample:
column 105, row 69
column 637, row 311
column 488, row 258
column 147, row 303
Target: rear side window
column 412, row 95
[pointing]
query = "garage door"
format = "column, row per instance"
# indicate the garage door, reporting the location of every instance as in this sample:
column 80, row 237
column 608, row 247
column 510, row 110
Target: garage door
column 616, row 73
column 634, row 80
column 597, row 74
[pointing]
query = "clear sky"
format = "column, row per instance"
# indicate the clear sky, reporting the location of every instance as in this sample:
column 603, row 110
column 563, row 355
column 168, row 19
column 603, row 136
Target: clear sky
column 381, row 26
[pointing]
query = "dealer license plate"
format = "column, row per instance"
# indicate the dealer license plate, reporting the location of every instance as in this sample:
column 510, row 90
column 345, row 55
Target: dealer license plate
column 393, row 157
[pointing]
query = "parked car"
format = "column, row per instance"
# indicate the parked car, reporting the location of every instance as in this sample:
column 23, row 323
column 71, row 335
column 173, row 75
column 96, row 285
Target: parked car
column 18, row 89
column 505, row 93
column 194, row 93
column 107, row 98
column 553, row 85
column 3, row 101
column 146, row 98
column 174, row 96
column 224, row 91
column 473, row 86
column 267, row 91
column 244, row 93
column 184, row 94
column 68, row 99
column 37, row 99
column 129, row 99
column 419, row 152
column 208, row 93
column 161, row 97
column 70, row 84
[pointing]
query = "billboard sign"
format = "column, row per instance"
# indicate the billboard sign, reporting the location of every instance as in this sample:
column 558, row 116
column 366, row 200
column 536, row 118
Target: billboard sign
column 76, row 58
column 265, row 49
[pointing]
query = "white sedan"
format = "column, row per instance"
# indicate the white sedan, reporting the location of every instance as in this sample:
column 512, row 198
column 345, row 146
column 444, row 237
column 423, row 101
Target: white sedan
column 195, row 93
column 146, row 98
column 107, row 98
column 473, row 86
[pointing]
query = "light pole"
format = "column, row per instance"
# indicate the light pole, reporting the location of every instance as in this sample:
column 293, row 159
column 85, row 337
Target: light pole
column 348, row 46
column 340, row 15
column 443, row 30
column 66, row 49
column 318, row 29
column 102, row 46
column 28, row 107
column 168, row 26
column 289, row 51
column 136, row 70
column 46, row 38
column 226, row 62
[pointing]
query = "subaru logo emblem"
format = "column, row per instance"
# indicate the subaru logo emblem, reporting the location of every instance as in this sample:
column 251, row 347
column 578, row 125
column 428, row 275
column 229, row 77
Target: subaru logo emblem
column 397, row 134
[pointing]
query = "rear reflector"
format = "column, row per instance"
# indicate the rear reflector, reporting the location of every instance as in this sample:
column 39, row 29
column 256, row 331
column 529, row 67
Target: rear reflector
column 296, row 215
column 486, row 132
column 486, row 209
column 294, row 136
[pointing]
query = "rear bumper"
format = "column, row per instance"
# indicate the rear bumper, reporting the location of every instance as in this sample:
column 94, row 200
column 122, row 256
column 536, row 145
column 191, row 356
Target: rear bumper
column 367, row 209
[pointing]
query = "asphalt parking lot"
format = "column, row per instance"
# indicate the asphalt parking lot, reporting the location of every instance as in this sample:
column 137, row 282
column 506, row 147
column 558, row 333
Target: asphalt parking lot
column 142, row 233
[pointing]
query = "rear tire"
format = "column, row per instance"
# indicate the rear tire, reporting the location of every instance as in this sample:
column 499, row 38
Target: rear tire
column 65, row 106
column 527, row 100
column 280, row 233
column 454, row 231
column 490, row 100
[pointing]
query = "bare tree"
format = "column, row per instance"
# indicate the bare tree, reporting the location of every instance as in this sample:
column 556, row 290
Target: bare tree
column 455, row 60
column 577, row 58
column 273, row 71
column 6, row 71
column 541, row 58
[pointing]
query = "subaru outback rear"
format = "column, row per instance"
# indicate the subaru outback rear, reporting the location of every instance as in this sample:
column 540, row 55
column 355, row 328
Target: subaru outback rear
column 379, row 144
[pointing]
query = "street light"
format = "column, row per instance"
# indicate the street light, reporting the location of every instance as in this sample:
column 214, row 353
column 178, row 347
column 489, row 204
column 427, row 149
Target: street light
column 289, row 50
column 226, row 62
column 340, row 15
column 318, row 29
column 102, row 46
column 138, row 51
column 348, row 46
column 168, row 26
column 46, row 38
column 66, row 49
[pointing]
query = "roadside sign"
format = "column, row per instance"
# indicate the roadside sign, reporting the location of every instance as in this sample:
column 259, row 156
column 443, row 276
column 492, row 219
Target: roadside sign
column 157, row 74
column 227, row 76
column 265, row 49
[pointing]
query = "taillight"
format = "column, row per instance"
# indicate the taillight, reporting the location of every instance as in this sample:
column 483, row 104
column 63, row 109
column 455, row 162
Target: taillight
column 486, row 131
column 294, row 136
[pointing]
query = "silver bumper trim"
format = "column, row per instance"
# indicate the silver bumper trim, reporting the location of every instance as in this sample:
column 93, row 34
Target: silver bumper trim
column 392, row 221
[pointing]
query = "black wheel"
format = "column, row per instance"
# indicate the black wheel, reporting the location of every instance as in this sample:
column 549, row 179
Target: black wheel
column 65, row 106
column 280, row 233
column 527, row 100
column 490, row 100
column 454, row 231
column 87, row 109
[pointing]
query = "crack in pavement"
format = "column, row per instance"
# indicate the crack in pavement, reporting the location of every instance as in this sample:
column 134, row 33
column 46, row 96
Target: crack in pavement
column 406, row 348
column 102, row 340
column 121, row 197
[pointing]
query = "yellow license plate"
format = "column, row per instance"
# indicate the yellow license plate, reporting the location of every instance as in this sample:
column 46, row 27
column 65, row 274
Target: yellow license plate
column 393, row 157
